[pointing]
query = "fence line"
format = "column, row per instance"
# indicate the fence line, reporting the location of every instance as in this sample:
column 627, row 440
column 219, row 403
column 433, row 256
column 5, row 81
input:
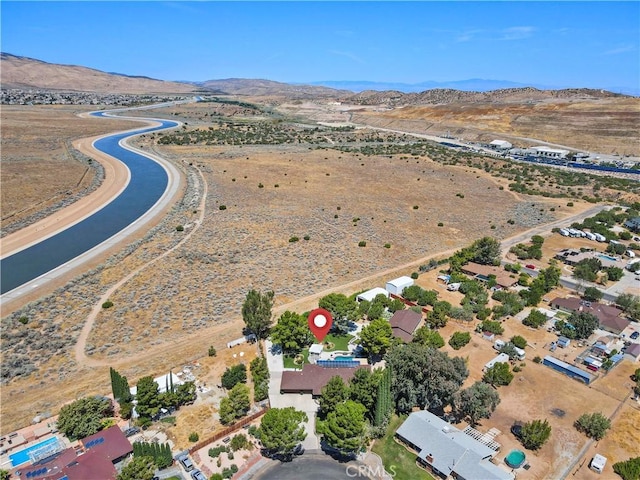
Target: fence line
column 227, row 431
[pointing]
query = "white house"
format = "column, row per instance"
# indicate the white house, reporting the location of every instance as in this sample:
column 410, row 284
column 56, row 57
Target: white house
column 369, row 295
column 397, row 285
column 500, row 145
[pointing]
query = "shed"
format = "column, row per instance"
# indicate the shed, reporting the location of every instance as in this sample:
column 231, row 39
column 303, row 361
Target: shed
column 397, row 285
column 369, row 295
column 563, row 342
column 598, row 462
column 570, row 370
column 314, row 352
column 500, row 145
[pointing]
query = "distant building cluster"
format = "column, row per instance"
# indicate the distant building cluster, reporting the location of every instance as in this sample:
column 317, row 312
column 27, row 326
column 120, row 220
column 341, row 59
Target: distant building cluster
column 46, row 97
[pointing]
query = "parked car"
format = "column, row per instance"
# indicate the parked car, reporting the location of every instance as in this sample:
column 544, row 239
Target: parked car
column 299, row 450
column 530, row 266
column 516, row 430
column 186, row 463
column 634, row 335
column 198, row 475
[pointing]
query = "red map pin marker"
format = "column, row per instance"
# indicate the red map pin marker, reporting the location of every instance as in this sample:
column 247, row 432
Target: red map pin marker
column 320, row 323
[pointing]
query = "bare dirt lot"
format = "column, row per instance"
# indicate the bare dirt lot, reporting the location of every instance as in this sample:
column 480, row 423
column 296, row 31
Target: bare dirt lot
column 38, row 165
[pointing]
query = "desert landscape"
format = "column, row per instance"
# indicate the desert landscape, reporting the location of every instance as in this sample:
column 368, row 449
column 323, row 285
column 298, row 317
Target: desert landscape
column 273, row 200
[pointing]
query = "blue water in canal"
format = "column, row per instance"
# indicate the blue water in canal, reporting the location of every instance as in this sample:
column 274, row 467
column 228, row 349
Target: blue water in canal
column 148, row 182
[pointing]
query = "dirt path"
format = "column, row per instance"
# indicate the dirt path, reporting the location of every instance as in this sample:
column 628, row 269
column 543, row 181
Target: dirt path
column 81, row 344
column 301, row 304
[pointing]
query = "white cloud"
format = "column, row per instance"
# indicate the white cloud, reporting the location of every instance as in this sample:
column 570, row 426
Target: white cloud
column 621, row 49
column 517, row 33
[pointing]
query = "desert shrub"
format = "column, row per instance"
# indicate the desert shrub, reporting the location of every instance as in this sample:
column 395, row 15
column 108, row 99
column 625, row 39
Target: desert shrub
column 293, row 239
column 239, row 442
column 24, row 320
column 459, row 340
column 387, row 245
column 362, row 243
column 222, row 207
column 537, row 359
column 260, row 185
column 212, row 351
column 194, row 437
column 107, row 304
column 629, row 470
column 415, row 207
column 440, row 224
column 519, row 341
column 179, row 228
column 307, row 237
column 415, row 275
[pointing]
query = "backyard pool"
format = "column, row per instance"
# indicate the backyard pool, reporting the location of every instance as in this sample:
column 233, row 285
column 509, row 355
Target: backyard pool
column 607, row 257
column 515, row 459
column 22, row 456
column 342, row 358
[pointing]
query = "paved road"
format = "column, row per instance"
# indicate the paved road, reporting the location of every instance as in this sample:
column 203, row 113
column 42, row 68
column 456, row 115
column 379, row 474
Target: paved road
column 313, row 467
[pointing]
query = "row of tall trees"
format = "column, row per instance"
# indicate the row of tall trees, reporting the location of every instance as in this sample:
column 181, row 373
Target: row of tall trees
column 160, row 452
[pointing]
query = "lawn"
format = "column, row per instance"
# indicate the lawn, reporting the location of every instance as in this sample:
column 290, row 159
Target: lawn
column 288, row 359
column 340, row 342
column 396, row 458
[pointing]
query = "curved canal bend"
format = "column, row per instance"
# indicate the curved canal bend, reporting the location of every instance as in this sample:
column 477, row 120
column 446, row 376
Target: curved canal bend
column 147, row 185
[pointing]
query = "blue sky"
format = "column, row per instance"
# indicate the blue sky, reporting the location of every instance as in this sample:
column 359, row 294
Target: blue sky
column 580, row 44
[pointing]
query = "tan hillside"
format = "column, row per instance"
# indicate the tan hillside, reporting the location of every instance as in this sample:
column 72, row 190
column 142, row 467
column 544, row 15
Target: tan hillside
column 23, row 72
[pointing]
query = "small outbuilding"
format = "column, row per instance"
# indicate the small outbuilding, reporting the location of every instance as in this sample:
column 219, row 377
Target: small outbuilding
column 397, row 285
column 500, row 145
column 314, row 352
column 369, row 295
column 563, row 342
column 598, row 463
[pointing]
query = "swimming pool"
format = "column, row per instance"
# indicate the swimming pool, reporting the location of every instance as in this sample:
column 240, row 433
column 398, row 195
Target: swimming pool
column 22, row 456
column 342, row 358
column 515, row 459
column 607, row 257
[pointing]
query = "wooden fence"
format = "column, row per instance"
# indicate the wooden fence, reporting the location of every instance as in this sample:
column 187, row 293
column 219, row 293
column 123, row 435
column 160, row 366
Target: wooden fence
column 228, row 431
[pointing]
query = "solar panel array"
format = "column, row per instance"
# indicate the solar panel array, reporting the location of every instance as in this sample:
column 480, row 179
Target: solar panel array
column 36, row 473
column 94, row 442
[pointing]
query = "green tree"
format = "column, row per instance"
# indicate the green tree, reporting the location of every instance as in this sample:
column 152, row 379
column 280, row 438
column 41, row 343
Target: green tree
column 424, row 377
column 459, row 340
column 363, row 388
column 584, row 324
column 487, row 251
column 256, row 312
column 260, row 376
column 233, row 375
column 492, row 327
column 235, row 405
column 84, row 417
column 628, row 470
column 5, row 474
column 535, row 433
column 384, row 402
column 519, row 341
column 594, row 425
column 375, row 338
column 587, row 269
column 148, row 397
column 344, row 427
column 592, row 294
column 478, row 401
column 437, row 317
column 535, row 319
column 614, row 273
column 120, row 387
column 428, row 338
column 412, row 292
column 333, row 393
column 498, row 374
column 281, row 430
column 292, row 332
column 139, row 468
column 342, row 308
column 630, row 304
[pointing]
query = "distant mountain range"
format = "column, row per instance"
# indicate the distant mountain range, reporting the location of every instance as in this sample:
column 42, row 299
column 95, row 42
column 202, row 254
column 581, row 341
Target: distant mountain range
column 471, row 85
column 24, row 72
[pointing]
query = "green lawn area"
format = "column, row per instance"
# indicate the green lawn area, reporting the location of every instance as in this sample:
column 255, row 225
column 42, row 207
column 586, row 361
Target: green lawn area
column 340, row 342
column 288, row 359
column 396, row 457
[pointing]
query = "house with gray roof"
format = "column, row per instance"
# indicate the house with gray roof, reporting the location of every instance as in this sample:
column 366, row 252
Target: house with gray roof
column 448, row 451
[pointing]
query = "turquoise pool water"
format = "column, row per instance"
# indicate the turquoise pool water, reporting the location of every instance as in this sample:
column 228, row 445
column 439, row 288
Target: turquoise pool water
column 607, row 257
column 515, row 459
column 22, row 456
column 342, row 358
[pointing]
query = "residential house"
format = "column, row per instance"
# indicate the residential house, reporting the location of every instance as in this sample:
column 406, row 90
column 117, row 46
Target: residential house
column 447, row 451
column 482, row 272
column 404, row 323
column 312, row 378
column 608, row 315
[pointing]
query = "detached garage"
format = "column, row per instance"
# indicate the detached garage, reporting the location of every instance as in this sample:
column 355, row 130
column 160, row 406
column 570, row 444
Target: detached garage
column 397, row 285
